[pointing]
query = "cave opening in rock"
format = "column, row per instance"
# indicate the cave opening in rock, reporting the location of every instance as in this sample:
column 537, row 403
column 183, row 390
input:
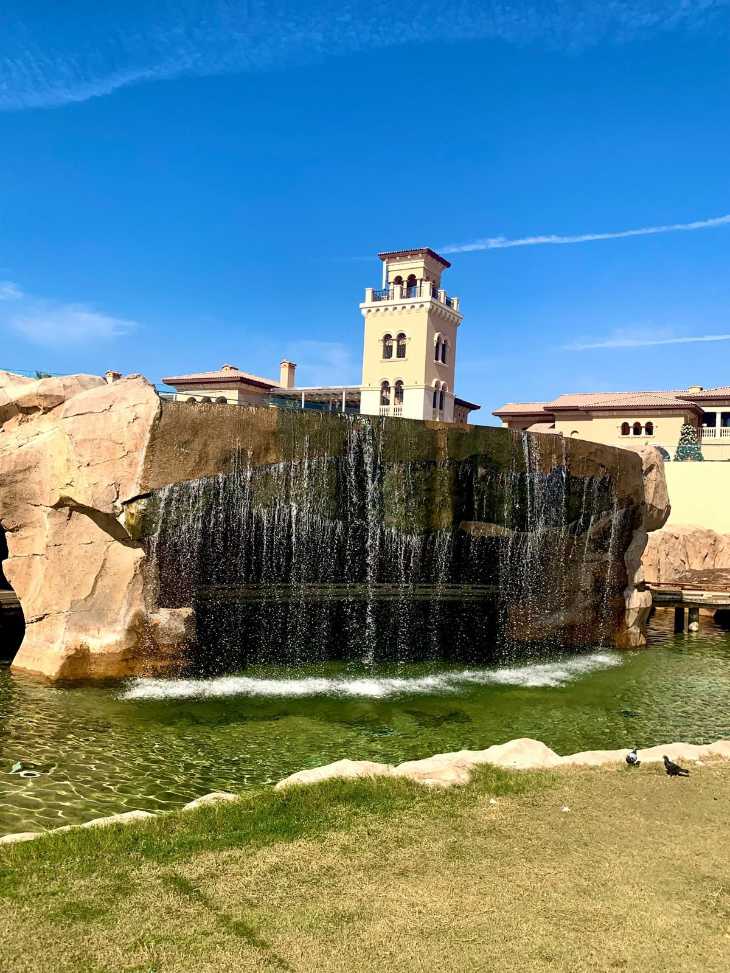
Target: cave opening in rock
column 12, row 622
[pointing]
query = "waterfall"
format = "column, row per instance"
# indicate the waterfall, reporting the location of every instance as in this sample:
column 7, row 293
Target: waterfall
column 378, row 550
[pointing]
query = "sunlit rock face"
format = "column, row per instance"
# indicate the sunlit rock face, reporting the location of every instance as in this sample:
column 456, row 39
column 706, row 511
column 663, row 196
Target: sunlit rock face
column 71, row 453
column 148, row 535
column 676, row 550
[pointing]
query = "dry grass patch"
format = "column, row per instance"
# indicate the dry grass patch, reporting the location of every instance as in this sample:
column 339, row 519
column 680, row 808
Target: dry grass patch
column 636, row 876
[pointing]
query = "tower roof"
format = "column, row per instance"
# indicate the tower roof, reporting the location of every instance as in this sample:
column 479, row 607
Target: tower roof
column 417, row 252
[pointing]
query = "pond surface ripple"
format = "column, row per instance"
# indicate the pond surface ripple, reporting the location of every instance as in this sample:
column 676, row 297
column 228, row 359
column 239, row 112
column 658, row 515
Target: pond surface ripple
column 68, row 754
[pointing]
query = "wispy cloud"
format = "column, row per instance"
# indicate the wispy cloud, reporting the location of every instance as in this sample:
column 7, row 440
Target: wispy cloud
column 621, row 341
column 502, row 243
column 50, row 323
column 10, row 291
column 49, row 58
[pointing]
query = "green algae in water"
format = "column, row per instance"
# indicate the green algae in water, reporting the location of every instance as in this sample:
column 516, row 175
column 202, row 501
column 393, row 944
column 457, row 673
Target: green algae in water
column 104, row 749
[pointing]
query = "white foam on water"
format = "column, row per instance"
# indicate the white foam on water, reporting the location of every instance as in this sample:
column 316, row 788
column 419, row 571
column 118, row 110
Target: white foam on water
column 545, row 674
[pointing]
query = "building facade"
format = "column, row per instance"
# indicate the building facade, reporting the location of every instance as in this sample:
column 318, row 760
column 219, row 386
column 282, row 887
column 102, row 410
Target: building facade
column 410, row 337
column 409, row 355
column 632, row 418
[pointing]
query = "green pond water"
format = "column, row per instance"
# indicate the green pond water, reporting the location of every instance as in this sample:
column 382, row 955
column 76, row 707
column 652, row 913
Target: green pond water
column 86, row 751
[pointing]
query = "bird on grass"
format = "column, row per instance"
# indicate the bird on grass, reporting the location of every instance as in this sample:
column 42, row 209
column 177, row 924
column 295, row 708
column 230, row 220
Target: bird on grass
column 674, row 770
column 632, row 758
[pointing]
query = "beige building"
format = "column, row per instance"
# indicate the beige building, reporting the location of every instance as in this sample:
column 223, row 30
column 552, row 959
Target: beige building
column 409, row 352
column 409, row 355
column 632, row 418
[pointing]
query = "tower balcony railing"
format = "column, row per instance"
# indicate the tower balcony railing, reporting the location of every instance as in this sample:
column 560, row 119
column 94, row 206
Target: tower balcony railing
column 715, row 432
column 398, row 292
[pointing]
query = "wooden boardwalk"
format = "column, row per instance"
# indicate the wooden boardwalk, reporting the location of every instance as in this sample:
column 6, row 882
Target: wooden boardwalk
column 693, row 590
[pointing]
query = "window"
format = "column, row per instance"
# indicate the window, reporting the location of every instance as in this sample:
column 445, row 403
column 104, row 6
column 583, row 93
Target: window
column 575, row 434
column 637, row 428
column 398, row 279
column 437, row 355
column 725, row 420
column 412, row 286
column 400, row 346
column 441, row 398
column 221, row 400
column 385, row 393
column 435, row 396
column 387, row 346
column 398, row 393
column 444, row 343
column 649, row 429
column 625, row 429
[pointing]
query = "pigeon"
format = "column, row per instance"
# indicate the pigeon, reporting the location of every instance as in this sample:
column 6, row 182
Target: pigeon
column 632, row 758
column 674, row 770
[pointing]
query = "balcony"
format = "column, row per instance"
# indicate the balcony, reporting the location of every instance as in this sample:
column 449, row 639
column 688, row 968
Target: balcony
column 715, row 432
column 398, row 292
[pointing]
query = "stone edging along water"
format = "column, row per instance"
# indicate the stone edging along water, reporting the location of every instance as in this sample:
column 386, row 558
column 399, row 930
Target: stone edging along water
column 441, row 770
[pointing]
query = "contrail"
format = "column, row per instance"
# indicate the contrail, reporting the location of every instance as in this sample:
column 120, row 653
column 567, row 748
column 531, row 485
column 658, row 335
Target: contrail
column 502, row 243
column 644, row 342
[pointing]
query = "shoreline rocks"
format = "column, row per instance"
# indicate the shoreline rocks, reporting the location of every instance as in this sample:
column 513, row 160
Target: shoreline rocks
column 441, row 770
column 453, row 769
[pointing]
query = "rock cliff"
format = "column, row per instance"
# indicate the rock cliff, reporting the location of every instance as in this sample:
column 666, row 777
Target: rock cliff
column 71, row 454
column 91, row 472
column 673, row 551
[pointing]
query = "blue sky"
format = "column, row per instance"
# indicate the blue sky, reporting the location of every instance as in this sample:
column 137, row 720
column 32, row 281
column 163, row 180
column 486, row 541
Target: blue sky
column 186, row 184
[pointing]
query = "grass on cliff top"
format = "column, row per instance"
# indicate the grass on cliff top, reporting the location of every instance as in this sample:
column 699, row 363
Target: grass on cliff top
column 386, row 876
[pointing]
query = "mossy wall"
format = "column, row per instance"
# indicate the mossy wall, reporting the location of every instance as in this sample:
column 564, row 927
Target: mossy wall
column 293, row 532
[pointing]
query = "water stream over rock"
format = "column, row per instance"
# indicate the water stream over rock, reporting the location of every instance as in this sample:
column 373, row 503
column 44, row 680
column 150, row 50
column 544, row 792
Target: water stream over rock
column 375, row 549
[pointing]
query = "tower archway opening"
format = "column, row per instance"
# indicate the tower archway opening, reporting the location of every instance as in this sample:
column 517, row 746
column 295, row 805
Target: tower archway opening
column 12, row 620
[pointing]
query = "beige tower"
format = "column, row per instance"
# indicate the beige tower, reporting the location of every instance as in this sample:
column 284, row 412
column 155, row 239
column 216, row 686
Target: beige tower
column 410, row 339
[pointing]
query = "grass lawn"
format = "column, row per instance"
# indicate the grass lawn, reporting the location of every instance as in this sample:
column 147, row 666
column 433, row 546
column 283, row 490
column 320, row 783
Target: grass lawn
column 389, row 876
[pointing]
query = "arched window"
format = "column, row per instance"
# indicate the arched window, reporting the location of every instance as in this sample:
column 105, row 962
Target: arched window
column 444, row 344
column 207, row 399
column 435, row 396
column 412, row 285
column 400, row 346
column 398, row 393
column 649, row 429
column 387, row 346
column 437, row 351
column 625, row 429
column 637, row 429
column 398, row 279
column 575, row 434
column 221, row 400
column 442, row 395
column 385, row 393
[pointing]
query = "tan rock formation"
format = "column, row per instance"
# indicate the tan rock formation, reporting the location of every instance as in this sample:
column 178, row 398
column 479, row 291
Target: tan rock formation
column 656, row 510
column 215, row 797
column 673, row 551
column 71, row 452
column 449, row 769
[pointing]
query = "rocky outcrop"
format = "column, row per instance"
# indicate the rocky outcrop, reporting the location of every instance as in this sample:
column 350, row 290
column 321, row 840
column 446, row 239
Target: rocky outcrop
column 675, row 550
column 655, row 513
column 118, row 508
column 71, row 454
column 449, row 769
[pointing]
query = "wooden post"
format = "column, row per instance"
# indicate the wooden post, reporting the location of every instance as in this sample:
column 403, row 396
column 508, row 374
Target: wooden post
column 694, row 620
column 679, row 618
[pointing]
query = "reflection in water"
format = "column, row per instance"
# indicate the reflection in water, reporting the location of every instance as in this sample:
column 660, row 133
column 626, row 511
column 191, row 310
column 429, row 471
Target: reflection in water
column 98, row 750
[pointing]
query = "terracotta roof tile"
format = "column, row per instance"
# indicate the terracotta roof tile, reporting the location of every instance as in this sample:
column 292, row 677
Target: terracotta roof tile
column 226, row 372
column 520, row 408
column 416, row 252
column 620, row 400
